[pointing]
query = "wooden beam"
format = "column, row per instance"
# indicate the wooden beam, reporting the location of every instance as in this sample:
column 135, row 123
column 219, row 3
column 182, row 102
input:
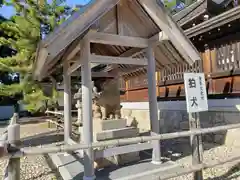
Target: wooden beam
column 113, row 39
column 157, row 12
column 158, row 38
column 77, row 64
column 217, row 21
column 131, row 52
column 153, row 41
column 43, row 54
column 193, row 17
column 94, row 74
column 117, row 60
column 130, row 69
column 82, row 45
column 119, row 18
column 71, row 53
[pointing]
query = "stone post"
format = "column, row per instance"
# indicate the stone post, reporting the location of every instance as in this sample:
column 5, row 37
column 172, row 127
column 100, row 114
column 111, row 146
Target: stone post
column 14, row 164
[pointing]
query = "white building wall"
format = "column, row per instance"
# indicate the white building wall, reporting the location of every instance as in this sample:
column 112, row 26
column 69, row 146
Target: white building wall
column 174, row 117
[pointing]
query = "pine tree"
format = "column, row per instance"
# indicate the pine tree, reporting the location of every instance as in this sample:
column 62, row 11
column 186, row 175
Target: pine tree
column 32, row 22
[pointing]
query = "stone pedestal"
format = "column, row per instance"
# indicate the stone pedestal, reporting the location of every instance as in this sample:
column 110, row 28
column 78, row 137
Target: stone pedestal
column 113, row 124
column 115, row 129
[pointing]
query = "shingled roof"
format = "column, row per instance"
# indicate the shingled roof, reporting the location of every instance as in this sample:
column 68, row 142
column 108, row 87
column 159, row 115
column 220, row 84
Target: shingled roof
column 129, row 18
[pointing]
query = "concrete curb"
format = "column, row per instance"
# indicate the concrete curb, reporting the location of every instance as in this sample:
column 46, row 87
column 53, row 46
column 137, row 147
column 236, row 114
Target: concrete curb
column 66, row 175
column 60, row 166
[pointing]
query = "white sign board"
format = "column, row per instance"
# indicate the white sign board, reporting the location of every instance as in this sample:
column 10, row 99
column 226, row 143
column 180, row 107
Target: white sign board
column 195, row 90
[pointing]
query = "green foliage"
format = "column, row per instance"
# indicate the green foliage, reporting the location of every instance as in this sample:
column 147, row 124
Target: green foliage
column 169, row 4
column 22, row 33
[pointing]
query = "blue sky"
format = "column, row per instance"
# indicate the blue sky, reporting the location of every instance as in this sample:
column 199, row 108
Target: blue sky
column 8, row 11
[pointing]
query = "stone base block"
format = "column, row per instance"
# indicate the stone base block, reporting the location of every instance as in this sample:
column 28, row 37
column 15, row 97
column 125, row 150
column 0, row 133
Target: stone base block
column 128, row 157
column 113, row 124
column 219, row 138
column 100, row 125
column 117, row 160
column 117, row 133
column 209, row 138
column 184, row 125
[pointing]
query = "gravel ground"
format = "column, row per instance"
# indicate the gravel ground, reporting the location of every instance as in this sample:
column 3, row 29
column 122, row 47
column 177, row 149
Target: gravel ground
column 38, row 168
column 35, row 167
column 229, row 171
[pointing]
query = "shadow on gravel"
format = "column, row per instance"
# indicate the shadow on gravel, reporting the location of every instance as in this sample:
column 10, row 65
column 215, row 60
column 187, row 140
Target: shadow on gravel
column 233, row 173
column 43, row 139
column 53, row 137
column 178, row 148
column 53, row 167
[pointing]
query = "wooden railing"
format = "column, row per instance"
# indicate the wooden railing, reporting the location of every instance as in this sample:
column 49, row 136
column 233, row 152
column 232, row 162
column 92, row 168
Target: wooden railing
column 139, row 81
column 175, row 72
column 227, row 57
column 220, row 63
column 215, row 60
column 13, row 167
column 122, row 83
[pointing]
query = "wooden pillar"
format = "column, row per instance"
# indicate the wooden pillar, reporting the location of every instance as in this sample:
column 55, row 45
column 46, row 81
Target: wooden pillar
column 213, row 60
column 153, row 108
column 207, row 60
column 67, row 103
column 157, row 74
column 120, row 22
column 207, row 67
column 87, row 112
column 127, row 89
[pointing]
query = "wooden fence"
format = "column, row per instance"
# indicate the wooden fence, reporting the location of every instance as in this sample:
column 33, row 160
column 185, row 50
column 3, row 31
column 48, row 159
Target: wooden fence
column 220, row 63
column 13, row 168
column 227, row 57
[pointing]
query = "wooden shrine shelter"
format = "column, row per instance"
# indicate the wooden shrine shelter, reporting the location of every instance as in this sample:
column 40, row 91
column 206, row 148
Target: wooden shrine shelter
column 215, row 35
column 125, row 35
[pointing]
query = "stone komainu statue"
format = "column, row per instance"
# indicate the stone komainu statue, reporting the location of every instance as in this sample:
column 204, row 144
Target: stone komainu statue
column 106, row 104
column 78, row 95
